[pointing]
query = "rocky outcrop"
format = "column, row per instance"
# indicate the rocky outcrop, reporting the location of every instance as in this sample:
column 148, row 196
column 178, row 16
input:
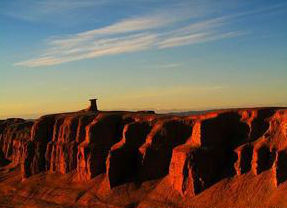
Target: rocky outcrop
column 228, row 144
column 188, row 153
column 124, row 161
column 34, row 155
column 244, row 158
column 280, row 167
column 68, row 133
column 103, row 132
column 14, row 135
column 156, row 152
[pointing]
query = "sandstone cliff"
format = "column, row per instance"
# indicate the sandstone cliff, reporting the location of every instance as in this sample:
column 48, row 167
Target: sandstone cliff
column 141, row 159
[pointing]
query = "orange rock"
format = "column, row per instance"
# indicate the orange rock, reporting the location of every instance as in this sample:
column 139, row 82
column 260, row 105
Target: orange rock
column 130, row 159
column 156, row 152
column 103, row 132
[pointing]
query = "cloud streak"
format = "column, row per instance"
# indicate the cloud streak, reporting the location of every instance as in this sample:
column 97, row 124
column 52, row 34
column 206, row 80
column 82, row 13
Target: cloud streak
column 125, row 26
column 176, row 41
column 156, row 32
column 102, row 47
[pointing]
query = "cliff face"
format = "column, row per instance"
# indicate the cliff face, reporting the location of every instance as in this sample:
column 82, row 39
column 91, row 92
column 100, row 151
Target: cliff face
column 158, row 160
column 14, row 135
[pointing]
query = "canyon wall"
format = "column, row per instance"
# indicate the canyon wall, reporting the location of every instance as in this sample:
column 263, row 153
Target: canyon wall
column 188, row 153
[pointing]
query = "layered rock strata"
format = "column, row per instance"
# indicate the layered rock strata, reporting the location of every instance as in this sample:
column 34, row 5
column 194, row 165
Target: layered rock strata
column 192, row 152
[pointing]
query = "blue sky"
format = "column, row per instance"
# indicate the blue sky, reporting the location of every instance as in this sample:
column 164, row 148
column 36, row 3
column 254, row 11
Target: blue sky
column 141, row 54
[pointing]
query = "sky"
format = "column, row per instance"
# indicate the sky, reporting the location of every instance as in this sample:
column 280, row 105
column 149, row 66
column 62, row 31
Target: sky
column 163, row 55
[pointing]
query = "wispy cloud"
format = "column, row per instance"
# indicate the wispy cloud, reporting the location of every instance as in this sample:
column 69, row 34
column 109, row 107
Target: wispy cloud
column 161, row 30
column 175, row 41
column 102, row 47
column 125, row 26
column 115, row 39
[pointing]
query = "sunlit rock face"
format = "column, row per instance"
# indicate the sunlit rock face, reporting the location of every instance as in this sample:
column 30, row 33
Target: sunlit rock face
column 142, row 159
column 14, row 135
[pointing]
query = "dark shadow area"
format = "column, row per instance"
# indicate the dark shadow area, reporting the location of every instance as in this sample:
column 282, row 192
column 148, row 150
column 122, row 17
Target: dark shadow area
column 158, row 155
column 224, row 133
column 246, row 159
column 103, row 135
column 259, row 125
column 124, row 161
column 3, row 160
column 265, row 159
column 281, row 169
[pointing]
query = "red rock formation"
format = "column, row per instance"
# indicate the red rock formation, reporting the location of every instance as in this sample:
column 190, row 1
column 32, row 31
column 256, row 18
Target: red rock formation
column 14, row 134
column 101, row 134
column 41, row 133
column 68, row 132
column 124, row 162
column 156, row 152
column 141, row 159
column 281, row 167
column 244, row 158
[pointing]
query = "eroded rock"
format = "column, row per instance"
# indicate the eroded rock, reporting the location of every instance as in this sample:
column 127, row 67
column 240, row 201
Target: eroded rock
column 156, row 152
column 124, row 162
column 191, row 153
column 103, row 132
